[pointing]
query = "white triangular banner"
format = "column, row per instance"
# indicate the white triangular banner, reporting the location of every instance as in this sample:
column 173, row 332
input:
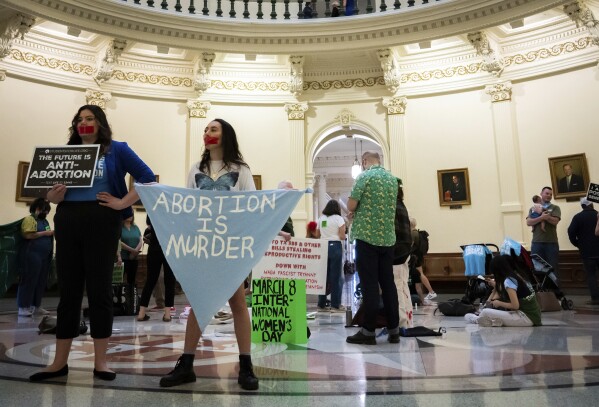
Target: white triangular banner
column 212, row 239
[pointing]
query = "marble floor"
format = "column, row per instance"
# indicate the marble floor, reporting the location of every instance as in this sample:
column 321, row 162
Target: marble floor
column 553, row 365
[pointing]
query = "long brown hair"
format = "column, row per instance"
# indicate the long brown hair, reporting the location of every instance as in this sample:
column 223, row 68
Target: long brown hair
column 104, row 130
column 231, row 153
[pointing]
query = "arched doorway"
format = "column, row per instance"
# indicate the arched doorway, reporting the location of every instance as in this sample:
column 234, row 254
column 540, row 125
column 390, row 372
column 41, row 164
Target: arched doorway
column 332, row 160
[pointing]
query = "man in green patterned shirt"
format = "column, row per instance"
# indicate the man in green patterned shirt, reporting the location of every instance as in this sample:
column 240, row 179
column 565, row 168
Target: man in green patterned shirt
column 372, row 206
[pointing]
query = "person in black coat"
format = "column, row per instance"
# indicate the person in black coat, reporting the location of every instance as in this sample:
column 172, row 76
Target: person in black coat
column 307, row 11
column 581, row 233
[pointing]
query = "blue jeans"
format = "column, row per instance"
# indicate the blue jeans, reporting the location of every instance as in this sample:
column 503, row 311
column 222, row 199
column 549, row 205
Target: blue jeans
column 35, row 267
column 549, row 252
column 590, row 267
column 375, row 268
column 334, row 275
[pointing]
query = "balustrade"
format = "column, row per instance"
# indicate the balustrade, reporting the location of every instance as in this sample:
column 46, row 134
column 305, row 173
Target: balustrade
column 280, row 9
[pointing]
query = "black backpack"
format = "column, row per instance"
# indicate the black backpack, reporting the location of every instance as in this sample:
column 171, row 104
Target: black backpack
column 422, row 248
column 455, row 308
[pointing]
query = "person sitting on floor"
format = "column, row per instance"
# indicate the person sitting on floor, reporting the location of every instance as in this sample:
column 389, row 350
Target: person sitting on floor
column 512, row 302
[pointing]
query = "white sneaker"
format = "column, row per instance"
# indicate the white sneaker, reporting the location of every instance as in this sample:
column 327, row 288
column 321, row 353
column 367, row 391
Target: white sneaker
column 25, row 312
column 39, row 311
column 471, row 318
column 487, row 321
column 430, row 296
column 426, row 302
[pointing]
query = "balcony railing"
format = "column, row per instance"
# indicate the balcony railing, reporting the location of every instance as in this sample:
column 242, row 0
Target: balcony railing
column 277, row 9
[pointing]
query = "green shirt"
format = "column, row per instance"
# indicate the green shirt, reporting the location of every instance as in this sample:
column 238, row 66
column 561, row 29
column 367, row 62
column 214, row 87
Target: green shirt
column 374, row 220
column 131, row 238
column 550, row 233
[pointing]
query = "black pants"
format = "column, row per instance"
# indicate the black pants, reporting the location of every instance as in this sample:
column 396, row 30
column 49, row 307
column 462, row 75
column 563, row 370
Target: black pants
column 375, row 268
column 87, row 235
column 130, row 270
column 156, row 260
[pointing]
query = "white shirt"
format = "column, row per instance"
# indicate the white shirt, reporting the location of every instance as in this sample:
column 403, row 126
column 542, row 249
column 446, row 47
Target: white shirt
column 329, row 226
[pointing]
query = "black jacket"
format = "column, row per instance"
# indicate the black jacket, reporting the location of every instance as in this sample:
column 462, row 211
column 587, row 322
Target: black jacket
column 581, row 233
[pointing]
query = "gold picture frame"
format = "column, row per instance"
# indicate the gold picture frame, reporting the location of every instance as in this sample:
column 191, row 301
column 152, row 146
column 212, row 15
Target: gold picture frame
column 454, row 187
column 577, row 185
column 23, row 194
column 257, row 181
column 138, row 205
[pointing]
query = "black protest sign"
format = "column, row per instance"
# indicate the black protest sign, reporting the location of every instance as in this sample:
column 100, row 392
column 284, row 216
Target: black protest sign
column 72, row 166
column 593, row 192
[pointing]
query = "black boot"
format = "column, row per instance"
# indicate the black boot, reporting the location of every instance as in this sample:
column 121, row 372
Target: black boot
column 247, row 379
column 182, row 373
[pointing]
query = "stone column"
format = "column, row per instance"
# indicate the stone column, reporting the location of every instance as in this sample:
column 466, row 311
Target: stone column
column 321, row 180
column 509, row 167
column 312, row 202
column 297, row 160
column 197, row 110
column 396, row 109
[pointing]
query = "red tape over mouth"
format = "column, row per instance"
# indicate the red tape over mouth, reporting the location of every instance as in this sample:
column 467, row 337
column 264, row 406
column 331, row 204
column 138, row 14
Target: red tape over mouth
column 210, row 140
column 85, row 129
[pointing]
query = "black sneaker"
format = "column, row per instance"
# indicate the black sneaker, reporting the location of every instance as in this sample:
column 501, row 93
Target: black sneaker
column 181, row 374
column 393, row 338
column 361, row 339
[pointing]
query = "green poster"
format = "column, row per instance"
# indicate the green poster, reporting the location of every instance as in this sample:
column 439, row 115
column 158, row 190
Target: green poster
column 279, row 311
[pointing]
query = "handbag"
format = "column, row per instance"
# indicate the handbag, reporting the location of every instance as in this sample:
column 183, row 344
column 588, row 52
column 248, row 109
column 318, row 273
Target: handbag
column 48, row 326
column 455, row 308
column 421, row 331
column 548, row 302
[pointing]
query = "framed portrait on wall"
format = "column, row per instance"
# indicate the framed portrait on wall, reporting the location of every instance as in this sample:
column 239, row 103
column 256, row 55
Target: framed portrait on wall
column 257, row 181
column 569, row 176
column 454, row 187
column 138, row 205
column 23, row 194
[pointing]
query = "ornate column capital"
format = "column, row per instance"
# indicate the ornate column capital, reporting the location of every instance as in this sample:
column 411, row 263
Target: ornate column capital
column 16, row 26
column 296, row 81
column 198, row 109
column 395, row 105
column 500, row 91
column 97, row 97
column 296, row 110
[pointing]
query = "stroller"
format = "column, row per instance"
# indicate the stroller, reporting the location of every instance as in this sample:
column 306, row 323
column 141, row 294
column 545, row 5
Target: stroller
column 477, row 258
column 543, row 277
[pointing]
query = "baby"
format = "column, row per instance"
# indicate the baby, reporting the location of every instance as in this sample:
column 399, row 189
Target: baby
column 537, row 210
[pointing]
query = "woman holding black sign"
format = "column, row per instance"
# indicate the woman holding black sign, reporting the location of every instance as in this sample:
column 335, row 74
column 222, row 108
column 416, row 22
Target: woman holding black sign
column 221, row 168
column 87, row 231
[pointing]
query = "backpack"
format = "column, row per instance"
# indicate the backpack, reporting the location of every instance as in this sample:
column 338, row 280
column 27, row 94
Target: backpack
column 455, row 308
column 422, row 248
